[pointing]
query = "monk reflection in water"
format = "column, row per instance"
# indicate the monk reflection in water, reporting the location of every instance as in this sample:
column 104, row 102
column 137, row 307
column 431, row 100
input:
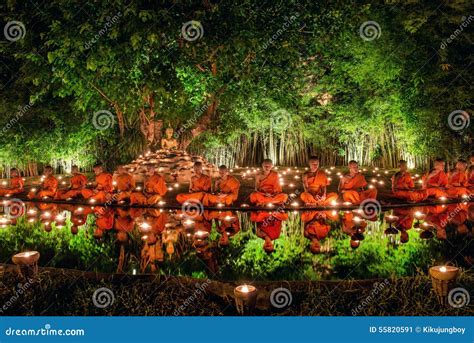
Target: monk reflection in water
column 48, row 188
column 226, row 189
column 352, row 186
column 154, row 189
column 316, row 228
column 268, row 227
column 16, row 183
column 78, row 182
column 470, row 181
column 458, row 181
column 403, row 186
column 315, row 182
column 169, row 142
column 267, row 186
column 199, row 185
column 436, row 180
column 103, row 186
column 125, row 184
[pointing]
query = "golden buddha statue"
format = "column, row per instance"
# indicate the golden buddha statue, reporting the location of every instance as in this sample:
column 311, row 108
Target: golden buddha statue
column 169, row 142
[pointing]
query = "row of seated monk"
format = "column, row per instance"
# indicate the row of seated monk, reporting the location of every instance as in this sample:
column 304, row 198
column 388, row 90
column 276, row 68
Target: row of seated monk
column 353, row 186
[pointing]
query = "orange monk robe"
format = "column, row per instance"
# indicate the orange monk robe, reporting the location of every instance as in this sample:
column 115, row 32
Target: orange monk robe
column 103, row 188
column 49, row 187
column 317, row 229
column 352, row 190
column 201, row 185
column 405, row 218
column 457, row 185
column 315, row 186
column 125, row 185
column 154, row 189
column 269, row 185
column 435, row 183
column 104, row 218
column 16, row 186
column 403, row 188
column 470, row 183
column 78, row 182
column 227, row 192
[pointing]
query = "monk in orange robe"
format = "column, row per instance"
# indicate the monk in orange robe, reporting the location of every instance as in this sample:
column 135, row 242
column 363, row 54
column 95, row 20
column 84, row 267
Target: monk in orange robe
column 154, row 189
column 226, row 189
column 78, row 183
column 199, row 185
column 436, row 180
column 403, row 186
column 315, row 182
column 48, row 188
column 16, row 183
column 103, row 186
column 458, row 181
column 124, row 184
column 267, row 187
column 352, row 186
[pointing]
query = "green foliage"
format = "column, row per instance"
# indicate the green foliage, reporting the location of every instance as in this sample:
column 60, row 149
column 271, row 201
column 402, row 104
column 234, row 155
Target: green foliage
column 392, row 93
column 58, row 248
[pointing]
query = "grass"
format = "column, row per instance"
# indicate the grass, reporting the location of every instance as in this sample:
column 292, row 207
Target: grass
column 66, row 292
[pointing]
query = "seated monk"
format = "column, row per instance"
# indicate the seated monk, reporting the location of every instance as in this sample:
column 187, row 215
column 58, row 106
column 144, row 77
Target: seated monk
column 226, row 189
column 48, row 188
column 403, row 186
column 436, row 180
column 352, row 186
column 169, row 143
column 199, row 185
column 125, row 184
column 78, row 183
column 267, row 186
column 458, row 181
column 154, row 189
column 103, row 186
column 16, row 183
column 315, row 182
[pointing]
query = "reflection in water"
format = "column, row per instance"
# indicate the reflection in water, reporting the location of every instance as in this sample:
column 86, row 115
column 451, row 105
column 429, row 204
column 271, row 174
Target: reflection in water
column 147, row 240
